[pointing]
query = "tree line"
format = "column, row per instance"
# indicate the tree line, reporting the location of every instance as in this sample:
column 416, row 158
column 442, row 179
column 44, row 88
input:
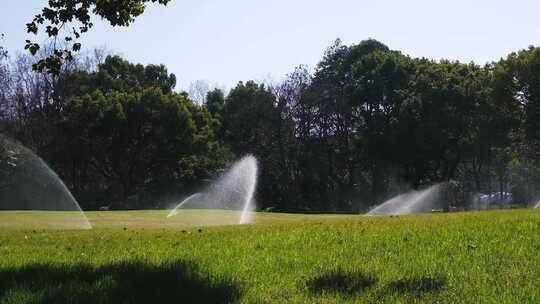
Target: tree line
column 367, row 123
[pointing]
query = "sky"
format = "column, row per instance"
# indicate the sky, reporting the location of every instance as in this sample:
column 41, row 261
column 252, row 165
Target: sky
column 226, row 41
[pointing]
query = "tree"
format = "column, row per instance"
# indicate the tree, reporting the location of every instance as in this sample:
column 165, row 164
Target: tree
column 124, row 132
column 74, row 17
column 292, row 131
column 31, row 106
column 3, row 51
column 518, row 84
column 247, row 113
column 249, row 125
column 378, row 79
column 369, row 123
column 114, row 74
column 4, row 80
column 354, row 90
column 516, row 96
column 435, row 117
column 198, row 91
column 134, row 139
column 215, row 102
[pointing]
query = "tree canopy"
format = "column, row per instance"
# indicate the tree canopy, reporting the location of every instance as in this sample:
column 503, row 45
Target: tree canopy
column 369, row 123
column 65, row 21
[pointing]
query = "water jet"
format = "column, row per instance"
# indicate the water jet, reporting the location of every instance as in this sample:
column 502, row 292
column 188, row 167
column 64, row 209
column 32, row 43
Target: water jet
column 30, row 185
column 234, row 190
column 411, row 202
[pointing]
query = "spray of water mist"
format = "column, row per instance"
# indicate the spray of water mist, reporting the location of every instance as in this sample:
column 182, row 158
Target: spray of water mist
column 537, row 205
column 411, row 202
column 32, row 185
column 234, row 190
column 174, row 211
column 477, row 203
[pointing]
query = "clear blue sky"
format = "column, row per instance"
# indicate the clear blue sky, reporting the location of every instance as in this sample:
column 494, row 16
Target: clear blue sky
column 225, row 41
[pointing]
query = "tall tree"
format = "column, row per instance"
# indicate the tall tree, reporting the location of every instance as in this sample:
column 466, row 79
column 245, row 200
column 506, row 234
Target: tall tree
column 354, row 89
column 134, row 139
column 215, row 101
column 519, row 84
column 249, row 123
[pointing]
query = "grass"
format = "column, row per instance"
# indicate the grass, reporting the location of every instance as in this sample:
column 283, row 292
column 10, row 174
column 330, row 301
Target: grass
column 142, row 257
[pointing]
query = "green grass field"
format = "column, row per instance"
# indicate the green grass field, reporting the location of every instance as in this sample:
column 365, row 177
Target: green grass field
column 142, row 257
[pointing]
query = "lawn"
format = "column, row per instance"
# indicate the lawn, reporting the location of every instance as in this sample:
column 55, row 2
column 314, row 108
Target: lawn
column 143, row 257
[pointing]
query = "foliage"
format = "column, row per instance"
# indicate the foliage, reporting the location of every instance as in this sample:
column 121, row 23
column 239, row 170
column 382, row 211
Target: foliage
column 115, row 74
column 3, row 51
column 367, row 124
column 249, row 117
column 74, row 18
column 130, row 137
column 519, row 84
column 215, row 101
column 117, row 131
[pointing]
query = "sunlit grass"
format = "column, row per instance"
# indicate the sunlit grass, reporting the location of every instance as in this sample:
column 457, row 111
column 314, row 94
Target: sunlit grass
column 475, row 257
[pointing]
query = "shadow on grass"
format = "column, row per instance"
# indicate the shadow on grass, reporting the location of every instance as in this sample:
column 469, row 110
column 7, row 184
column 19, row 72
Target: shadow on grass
column 133, row 282
column 417, row 286
column 348, row 284
column 340, row 282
